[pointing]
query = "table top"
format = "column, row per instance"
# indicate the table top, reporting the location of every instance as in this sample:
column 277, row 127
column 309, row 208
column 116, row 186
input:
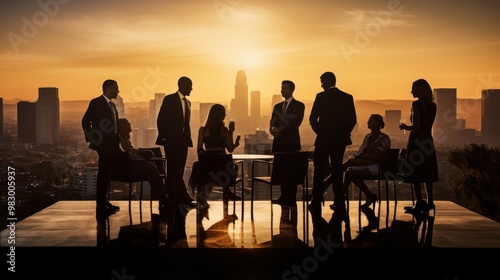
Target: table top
column 251, row 156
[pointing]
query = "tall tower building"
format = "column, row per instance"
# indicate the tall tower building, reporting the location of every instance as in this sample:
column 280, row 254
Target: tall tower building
column 26, row 121
column 240, row 110
column 490, row 114
column 254, row 110
column 446, row 116
column 47, row 115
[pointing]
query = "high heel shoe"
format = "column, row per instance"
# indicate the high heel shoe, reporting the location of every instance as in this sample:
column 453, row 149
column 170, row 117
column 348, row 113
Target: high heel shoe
column 373, row 222
column 229, row 195
column 420, row 208
column 371, row 199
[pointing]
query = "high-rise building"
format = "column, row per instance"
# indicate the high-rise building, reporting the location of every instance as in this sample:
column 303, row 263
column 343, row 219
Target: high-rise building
column 47, row 115
column 138, row 137
column 26, row 121
column 254, row 109
column 84, row 182
column 490, row 114
column 239, row 107
column 446, row 116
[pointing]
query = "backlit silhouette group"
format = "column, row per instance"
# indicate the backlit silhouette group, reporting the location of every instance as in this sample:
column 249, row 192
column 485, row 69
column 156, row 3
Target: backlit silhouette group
column 332, row 118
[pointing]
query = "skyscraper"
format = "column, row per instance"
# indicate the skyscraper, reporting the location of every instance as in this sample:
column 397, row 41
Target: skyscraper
column 446, row 116
column 254, row 109
column 490, row 114
column 240, row 111
column 26, row 121
column 47, row 115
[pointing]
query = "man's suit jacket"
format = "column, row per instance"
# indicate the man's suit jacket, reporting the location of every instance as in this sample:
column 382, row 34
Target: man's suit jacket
column 333, row 117
column 100, row 131
column 170, row 123
column 288, row 139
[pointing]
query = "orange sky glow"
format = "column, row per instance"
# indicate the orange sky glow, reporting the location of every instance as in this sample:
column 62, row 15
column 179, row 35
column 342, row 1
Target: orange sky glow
column 376, row 48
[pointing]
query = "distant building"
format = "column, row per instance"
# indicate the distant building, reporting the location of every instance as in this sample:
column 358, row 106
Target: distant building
column 446, row 116
column 258, row 143
column 254, row 109
column 47, row 115
column 138, row 137
column 239, row 105
column 83, row 182
column 490, row 114
column 26, row 121
column 150, row 135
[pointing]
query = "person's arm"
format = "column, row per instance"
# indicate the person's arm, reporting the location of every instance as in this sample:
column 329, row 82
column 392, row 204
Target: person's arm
column 314, row 116
column 273, row 122
column 298, row 117
column 228, row 139
column 199, row 146
column 415, row 119
column 352, row 119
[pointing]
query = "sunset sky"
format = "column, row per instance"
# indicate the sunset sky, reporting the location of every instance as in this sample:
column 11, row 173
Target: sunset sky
column 376, row 48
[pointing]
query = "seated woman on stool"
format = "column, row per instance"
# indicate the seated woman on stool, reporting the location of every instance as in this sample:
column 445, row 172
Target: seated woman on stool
column 215, row 138
column 365, row 163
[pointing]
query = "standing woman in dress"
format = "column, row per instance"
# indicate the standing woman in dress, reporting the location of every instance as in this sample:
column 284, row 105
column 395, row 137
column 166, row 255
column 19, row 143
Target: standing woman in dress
column 421, row 161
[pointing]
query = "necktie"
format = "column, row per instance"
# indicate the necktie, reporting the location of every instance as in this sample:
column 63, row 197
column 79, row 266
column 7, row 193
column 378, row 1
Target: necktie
column 115, row 113
column 285, row 106
column 187, row 114
column 283, row 111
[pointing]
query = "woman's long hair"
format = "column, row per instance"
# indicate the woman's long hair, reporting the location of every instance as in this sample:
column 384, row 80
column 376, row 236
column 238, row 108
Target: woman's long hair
column 424, row 90
column 215, row 119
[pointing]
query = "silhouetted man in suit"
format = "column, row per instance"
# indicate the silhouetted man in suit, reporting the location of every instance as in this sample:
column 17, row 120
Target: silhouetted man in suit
column 174, row 133
column 284, row 126
column 100, row 126
column 333, row 117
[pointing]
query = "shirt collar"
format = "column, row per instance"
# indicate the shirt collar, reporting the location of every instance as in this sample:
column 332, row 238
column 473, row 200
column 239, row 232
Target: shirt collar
column 289, row 99
column 107, row 99
column 180, row 95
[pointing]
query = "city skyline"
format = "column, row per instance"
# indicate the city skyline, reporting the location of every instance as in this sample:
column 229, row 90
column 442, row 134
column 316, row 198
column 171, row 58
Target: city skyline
column 376, row 48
